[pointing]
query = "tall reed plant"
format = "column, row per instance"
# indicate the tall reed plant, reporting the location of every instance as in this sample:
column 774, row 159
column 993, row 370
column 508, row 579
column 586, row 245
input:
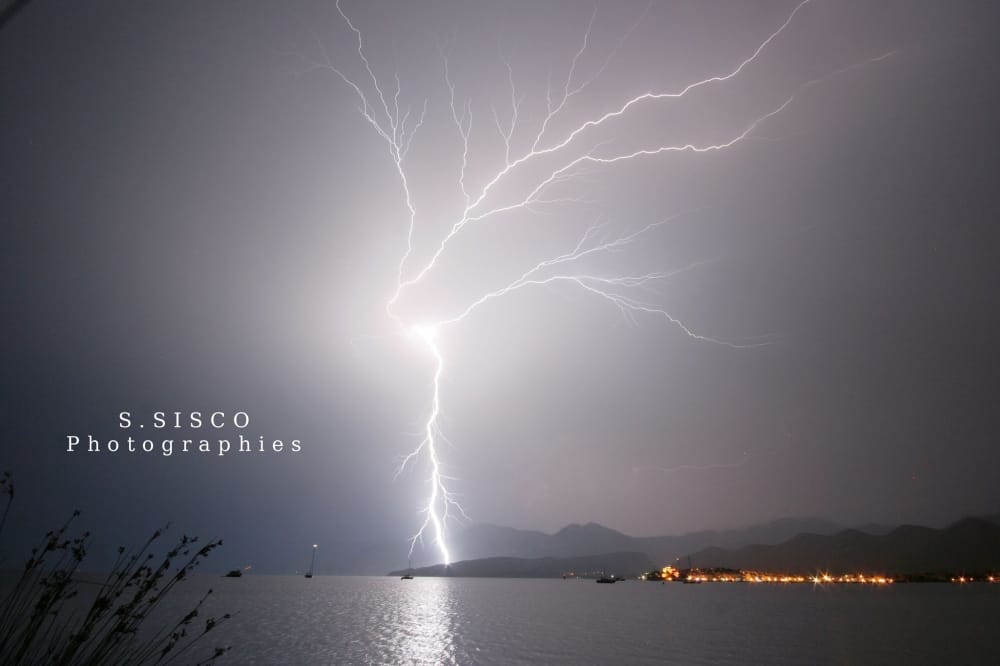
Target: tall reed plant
column 40, row 624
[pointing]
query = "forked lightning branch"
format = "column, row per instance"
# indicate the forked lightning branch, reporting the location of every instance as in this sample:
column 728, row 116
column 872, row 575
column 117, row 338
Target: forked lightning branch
column 552, row 158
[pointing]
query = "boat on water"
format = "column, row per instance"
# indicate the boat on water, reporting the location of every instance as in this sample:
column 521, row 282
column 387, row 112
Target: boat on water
column 406, row 577
column 312, row 562
column 606, row 579
column 235, row 573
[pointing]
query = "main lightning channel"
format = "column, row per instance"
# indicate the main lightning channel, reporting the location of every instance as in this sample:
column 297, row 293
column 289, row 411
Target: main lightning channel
column 439, row 493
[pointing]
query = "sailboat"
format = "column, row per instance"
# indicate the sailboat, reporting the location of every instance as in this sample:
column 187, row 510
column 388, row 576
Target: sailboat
column 409, row 568
column 312, row 562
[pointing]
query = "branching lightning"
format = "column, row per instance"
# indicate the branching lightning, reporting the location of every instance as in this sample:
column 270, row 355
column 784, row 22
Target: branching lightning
column 397, row 125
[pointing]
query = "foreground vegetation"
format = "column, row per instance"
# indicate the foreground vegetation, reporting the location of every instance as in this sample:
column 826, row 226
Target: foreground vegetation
column 40, row 624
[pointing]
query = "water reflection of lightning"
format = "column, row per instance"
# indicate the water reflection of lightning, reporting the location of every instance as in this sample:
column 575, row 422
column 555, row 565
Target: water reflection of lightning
column 397, row 125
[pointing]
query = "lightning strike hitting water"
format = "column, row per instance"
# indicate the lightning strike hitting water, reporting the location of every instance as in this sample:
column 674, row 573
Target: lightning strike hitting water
column 397, row 125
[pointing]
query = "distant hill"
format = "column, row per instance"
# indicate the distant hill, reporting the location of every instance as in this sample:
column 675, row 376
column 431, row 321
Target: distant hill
column 875, row 528
column 969, row 545
column 617, row 564
column 994, row 518
column 485, row 540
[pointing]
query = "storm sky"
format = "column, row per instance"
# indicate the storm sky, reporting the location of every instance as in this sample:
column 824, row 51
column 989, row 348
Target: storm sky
column 197, row 217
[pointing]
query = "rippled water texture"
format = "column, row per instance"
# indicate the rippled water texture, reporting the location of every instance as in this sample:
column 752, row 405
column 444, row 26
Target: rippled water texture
column 327, row 620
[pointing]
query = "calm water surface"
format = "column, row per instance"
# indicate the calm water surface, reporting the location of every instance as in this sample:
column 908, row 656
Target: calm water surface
column 358, row 620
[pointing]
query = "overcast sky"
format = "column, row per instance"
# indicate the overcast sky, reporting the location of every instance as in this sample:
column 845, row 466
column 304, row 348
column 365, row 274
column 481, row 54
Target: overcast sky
column 196, row 217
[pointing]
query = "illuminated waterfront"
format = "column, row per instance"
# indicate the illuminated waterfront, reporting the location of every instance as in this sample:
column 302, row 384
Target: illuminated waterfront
column 670, row 574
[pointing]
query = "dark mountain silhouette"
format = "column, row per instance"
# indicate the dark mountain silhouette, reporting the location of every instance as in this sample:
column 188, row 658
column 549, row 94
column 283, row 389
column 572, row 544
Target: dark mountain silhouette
column 969, row 545
column 875, row 528
column 485, row 540
column 617, row 564
column 575, row 539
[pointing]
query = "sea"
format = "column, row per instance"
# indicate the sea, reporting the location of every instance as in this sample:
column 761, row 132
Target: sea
column 385, row 620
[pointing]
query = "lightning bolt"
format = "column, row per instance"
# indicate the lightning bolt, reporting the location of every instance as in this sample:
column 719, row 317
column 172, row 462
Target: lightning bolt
column 397, row 124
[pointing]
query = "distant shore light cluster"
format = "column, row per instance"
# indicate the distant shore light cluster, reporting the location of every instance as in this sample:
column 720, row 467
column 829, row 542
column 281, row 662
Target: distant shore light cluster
column 724, row 575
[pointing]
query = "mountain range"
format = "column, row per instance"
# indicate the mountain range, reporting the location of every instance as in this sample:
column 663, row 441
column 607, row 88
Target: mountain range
column 971, row 545
column 575, row 540
column 807, row 543
column 486, row 540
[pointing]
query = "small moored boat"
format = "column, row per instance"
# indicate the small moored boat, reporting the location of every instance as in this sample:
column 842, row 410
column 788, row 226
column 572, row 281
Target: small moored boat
column 312, row 562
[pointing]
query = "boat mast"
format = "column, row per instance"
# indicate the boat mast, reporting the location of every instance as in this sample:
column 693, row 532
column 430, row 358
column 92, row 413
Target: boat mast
column 312, row 561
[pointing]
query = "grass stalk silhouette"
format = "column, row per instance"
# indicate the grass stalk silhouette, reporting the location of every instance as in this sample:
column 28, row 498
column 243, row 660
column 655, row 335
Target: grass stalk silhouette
column 38, row 626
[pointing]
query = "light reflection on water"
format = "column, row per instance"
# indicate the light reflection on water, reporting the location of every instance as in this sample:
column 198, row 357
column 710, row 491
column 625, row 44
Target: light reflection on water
column 421, row 626
column 358, row 620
